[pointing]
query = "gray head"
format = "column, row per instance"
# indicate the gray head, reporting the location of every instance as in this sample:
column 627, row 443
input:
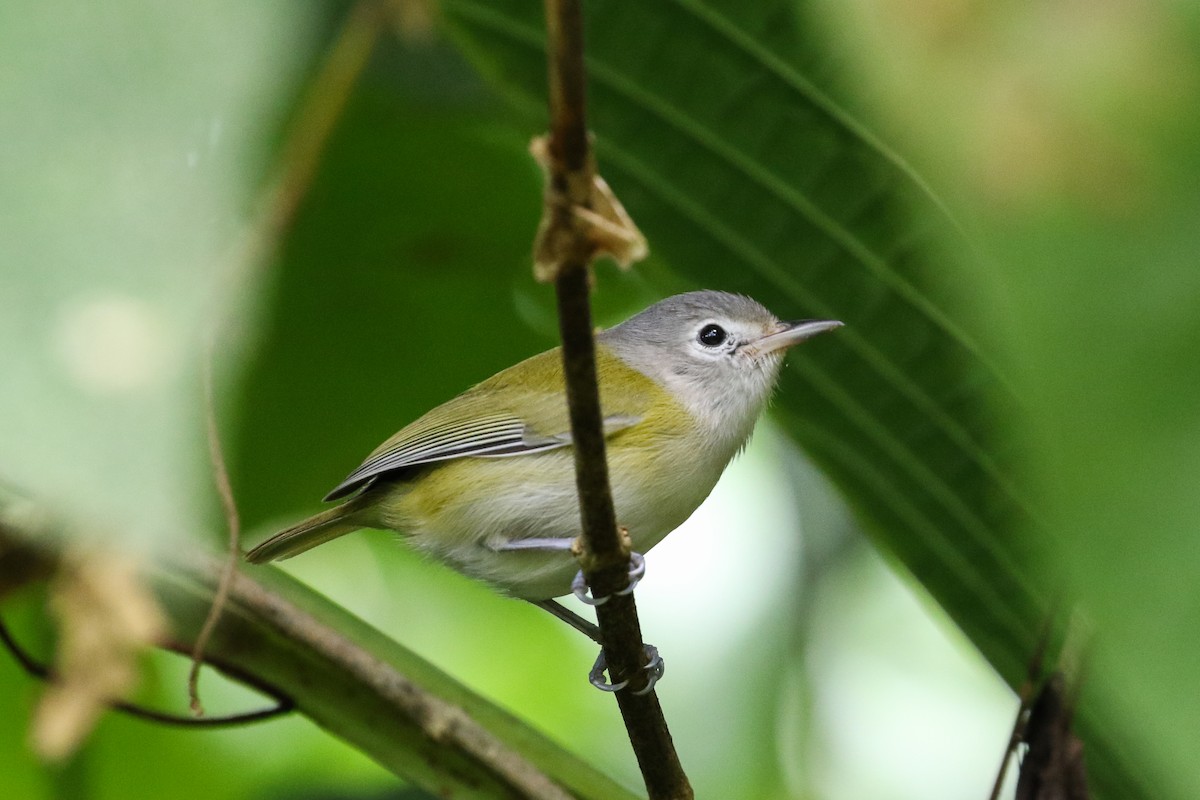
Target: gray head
column 719, row 354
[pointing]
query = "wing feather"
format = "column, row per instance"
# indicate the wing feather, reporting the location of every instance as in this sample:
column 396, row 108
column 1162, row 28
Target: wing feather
column 491, row 420
column 493, row 437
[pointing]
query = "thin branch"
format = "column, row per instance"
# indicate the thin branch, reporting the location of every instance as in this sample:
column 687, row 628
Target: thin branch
column 233, row 525
column 564, row 251
column 41, row 671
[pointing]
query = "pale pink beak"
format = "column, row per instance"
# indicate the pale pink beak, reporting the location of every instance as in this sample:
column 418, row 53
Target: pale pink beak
column 791, row 334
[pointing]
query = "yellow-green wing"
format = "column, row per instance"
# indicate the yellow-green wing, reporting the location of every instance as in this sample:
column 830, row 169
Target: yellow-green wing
column 519, row 411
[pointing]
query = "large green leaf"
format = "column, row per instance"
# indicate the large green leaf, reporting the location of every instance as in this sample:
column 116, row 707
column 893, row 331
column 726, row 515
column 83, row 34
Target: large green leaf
column 746, row 176
column 354, row 682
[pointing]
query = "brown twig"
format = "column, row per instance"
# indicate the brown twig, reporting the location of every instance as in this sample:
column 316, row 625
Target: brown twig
column 1025, row 694
column 1053, row 765
column 564, row 252
column 233, row 524
column 39, row 670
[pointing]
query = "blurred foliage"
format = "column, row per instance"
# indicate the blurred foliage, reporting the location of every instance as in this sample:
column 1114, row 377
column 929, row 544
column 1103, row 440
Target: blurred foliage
column 1070, row 135
column 1011, row 410
column 134, row 137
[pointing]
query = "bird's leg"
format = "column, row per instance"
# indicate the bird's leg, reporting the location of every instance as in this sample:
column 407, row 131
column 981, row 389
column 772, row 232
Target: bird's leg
column 535, row 543
column 565, row 614
column 654, row 662
column 588, row 629
column 637, row 565
column 637, row 568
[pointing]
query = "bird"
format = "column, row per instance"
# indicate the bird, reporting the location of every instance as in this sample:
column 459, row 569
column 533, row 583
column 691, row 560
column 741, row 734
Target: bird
column 485, row 482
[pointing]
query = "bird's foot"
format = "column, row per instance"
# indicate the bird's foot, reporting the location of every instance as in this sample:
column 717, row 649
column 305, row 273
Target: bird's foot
column 655, row 667
column 637, row 569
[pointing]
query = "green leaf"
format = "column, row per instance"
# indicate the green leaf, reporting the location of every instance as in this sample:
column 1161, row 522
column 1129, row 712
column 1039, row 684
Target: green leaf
column 745, row 175
column 354, row 681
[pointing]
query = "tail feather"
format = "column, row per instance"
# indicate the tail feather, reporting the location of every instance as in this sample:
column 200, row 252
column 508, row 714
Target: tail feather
column 315, row 530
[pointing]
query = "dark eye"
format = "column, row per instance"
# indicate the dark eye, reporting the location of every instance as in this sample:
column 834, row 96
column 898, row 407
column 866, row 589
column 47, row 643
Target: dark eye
column 712, row 336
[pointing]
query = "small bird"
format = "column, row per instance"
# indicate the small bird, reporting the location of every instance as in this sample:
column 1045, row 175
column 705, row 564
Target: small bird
column 486, row 481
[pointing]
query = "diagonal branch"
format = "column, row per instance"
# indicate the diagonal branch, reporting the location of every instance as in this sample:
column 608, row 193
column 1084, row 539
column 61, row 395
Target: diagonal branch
column 564, row 251
column 284, row 639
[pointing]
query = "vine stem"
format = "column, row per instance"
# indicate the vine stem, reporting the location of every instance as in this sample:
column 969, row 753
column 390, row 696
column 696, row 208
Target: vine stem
column 567, row 242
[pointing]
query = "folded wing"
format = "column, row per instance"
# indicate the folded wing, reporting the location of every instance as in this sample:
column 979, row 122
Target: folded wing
column 489, row 436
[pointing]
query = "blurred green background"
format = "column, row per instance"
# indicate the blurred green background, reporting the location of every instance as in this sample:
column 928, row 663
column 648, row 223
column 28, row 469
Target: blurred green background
column 999, row 199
